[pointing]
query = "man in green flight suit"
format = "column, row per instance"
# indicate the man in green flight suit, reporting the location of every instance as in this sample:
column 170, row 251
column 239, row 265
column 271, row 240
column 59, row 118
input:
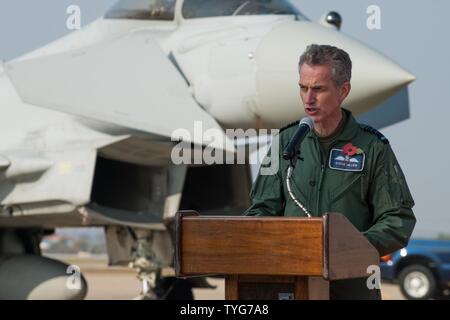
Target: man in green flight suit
column 343, row 167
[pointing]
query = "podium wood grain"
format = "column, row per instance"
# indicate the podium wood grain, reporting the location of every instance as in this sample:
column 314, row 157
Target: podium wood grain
column 251, row 245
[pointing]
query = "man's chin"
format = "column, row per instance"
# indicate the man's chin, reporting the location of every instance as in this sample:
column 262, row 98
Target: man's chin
column 315, row 118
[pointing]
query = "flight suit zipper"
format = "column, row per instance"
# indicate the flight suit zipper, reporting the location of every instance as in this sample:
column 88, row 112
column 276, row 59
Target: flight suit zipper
column 319, row 187
column 363, row 193
column 322, row 173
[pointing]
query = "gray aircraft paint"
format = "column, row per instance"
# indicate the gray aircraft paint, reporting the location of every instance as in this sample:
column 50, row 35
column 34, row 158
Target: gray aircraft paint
column 409, row 34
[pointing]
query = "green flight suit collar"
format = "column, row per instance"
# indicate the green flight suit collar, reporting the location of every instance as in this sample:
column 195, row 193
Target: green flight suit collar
column 350, row 129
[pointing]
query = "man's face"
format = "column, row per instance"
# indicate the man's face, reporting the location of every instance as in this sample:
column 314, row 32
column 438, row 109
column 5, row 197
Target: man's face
column 321, row 97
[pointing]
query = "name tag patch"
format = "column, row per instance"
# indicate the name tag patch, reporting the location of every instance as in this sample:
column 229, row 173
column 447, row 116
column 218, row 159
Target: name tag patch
column 341, row 161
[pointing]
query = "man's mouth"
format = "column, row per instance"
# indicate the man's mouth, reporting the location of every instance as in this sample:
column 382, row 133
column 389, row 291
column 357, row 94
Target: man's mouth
column 311, row 111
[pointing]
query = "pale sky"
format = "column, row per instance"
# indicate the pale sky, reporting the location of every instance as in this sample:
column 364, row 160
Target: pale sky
column 413, row 33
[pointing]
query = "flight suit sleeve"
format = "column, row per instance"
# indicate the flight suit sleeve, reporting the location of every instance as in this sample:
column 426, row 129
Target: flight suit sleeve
column 391, row 200
column 267, row 192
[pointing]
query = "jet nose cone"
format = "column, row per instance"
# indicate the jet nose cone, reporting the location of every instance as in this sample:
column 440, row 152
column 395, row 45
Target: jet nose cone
column 374, row 76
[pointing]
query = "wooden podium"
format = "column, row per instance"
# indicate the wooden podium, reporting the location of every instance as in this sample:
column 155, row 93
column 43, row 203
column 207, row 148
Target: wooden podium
column 272, row 257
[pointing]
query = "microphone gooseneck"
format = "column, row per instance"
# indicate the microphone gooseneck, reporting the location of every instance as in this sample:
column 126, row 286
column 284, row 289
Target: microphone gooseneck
column 291, row 194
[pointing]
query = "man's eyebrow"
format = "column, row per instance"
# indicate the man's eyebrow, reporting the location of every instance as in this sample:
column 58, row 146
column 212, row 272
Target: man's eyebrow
column 316, row 86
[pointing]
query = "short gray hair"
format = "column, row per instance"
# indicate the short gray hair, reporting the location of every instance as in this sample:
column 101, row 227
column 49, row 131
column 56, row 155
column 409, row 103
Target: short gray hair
column 337, row 59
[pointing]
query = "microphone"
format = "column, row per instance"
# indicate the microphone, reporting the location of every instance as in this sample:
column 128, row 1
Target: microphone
column 305, row 125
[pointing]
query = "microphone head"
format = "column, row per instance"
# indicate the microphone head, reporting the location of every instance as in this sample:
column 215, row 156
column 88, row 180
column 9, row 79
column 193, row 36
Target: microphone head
column 307, row 121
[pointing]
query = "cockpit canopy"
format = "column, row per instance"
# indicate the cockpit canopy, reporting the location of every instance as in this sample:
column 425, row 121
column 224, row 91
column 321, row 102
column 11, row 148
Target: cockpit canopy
column 143, row 10
column 165, row 9
column 216, row 8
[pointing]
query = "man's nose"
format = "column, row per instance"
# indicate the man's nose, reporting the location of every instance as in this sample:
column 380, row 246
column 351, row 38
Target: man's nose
column 310, row 97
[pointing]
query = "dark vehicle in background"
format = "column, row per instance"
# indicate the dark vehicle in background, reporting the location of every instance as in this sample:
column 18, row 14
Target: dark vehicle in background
column 422, row 269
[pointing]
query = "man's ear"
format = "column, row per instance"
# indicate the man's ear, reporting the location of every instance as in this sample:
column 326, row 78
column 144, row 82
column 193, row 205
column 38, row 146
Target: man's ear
column 345, row 90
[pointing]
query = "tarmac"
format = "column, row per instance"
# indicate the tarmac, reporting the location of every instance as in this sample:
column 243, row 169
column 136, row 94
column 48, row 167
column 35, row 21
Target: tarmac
column 121, row 283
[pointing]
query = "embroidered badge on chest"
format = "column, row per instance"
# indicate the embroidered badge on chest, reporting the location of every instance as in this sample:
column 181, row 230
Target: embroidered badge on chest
column 349, row 158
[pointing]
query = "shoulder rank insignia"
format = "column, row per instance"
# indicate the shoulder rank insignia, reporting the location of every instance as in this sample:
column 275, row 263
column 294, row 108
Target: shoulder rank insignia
column 374, row 131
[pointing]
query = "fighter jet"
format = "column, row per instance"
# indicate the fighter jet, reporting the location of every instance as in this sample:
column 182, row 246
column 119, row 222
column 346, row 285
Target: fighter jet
column 88, row 126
